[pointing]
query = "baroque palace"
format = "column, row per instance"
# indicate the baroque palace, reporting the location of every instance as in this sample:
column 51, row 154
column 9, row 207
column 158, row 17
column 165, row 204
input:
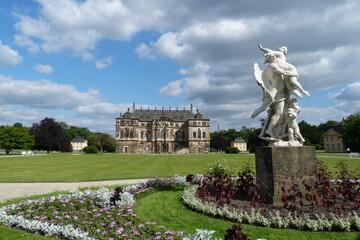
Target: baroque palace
column 159, row 131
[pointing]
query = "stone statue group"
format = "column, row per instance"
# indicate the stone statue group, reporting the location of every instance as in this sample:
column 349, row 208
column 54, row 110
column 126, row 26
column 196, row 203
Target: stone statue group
column 279, row 81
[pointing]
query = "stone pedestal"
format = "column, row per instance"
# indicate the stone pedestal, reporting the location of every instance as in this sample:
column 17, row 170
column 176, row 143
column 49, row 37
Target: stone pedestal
column 279, row 166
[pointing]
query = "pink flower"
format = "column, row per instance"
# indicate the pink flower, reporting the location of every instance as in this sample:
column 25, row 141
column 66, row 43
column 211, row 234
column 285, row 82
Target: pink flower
column 119, row 231
column 169, row 233
column 180, row 233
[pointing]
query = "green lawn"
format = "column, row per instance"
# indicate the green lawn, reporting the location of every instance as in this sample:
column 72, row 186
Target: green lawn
column 85, row 167
column 90, row 167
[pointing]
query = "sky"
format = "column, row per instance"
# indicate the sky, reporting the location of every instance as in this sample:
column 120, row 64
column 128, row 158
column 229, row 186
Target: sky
column 84, row 62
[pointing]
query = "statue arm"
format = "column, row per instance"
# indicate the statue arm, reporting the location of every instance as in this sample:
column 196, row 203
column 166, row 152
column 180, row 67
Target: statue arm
column 265, row 50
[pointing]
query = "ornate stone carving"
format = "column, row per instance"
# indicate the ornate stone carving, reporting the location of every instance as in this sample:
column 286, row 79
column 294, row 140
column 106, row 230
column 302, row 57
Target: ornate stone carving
column 278, row 82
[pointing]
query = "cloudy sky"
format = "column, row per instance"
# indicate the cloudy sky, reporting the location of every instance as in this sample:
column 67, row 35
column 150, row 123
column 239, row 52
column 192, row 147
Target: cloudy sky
column 86, row 61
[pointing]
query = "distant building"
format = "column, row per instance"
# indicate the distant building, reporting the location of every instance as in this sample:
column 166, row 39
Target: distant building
column 239, row 143
column 78, row 143
column 332, row 139
column 159, row 130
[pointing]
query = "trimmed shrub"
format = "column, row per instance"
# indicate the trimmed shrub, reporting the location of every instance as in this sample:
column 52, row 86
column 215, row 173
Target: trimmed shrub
column 232, row 150
column 90, row 149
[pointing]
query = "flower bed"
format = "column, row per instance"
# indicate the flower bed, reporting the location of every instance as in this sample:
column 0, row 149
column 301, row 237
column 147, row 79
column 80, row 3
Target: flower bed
column 255, row 217
column 324, row 204
column 88, row 215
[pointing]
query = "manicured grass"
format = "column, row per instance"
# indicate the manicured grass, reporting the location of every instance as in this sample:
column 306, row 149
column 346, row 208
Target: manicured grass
column 14, row 234
column 86, row 167
column 166, row 208
column 91, row 167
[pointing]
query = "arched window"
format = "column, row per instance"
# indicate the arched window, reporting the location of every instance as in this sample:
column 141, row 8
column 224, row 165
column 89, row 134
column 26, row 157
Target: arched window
column 122, row 134
column 126, row 133
column 194, row 134
column 199, row 133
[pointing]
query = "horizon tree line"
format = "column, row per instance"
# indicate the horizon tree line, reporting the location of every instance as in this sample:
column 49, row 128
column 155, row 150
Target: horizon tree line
column 50, row 135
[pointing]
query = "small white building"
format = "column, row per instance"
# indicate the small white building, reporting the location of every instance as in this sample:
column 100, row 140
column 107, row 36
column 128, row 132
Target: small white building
column 239, row 143
column 78, row 143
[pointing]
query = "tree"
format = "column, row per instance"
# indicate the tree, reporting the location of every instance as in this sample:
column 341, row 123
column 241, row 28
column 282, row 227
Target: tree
column 218, row 142
column 73, row 131
column 15, row 138
column 253, row 140
column 311, row 132
column 50, row 136
column 351, row 132
column 103, row 141
column 18, row 125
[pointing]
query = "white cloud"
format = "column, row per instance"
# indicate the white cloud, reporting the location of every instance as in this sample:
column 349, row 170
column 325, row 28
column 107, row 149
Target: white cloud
column 78, row 26
column 43, row 94
column 144, row 51
column 45, row 69
column 347, row 100
column 25, row 41
column 103, row 63
column 8, row 56
column 102, row 110
column 214, row 42
column 172, row 89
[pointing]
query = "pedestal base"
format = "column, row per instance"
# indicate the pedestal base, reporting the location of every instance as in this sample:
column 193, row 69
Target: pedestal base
column 278, row 166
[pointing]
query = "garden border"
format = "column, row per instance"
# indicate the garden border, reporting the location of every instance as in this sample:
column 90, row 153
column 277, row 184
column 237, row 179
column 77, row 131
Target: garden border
column 350, row 222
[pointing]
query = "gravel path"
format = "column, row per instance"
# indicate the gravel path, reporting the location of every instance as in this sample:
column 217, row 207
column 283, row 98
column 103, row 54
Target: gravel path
column 14, row 190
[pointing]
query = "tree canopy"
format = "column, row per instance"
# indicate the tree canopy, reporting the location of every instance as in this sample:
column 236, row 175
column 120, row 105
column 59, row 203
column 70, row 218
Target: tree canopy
column 50, row 136
column 74, row 131
column 103, row 141
column 351, row 132
column 15, row 138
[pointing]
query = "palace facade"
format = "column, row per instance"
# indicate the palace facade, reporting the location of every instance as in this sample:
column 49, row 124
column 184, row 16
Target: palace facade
column 162, row 131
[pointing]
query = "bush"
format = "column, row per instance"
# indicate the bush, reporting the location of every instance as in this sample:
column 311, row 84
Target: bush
column 213, row 150
column 90, row 149
column 232, row 150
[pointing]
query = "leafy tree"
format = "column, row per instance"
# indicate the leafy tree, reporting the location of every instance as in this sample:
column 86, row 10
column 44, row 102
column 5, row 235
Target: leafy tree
column 50, row 136
column 232, row 150
column 103, row 141
column 351, row 132
column 253, row 140
column 15, row 138
column 18, row 125
column 218, row 142
column 73, row 131
column 64, row 125
column 90, row 149
column 311, row 132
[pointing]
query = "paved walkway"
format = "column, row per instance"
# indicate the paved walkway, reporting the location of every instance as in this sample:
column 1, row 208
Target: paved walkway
column 13, row 190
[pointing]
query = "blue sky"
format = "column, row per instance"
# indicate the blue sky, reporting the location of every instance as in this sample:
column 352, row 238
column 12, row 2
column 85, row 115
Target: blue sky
column 85, row 62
